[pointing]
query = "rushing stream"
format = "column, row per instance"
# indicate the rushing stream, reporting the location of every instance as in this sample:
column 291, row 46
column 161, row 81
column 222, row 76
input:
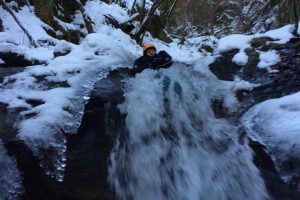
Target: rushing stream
column 175, row 147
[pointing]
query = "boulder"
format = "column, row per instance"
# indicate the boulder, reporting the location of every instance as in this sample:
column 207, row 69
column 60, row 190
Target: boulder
column 63, row 48
column 18, row 60
column 259, row 42
column 223, row 67
column 250, row 71
column 15, row 56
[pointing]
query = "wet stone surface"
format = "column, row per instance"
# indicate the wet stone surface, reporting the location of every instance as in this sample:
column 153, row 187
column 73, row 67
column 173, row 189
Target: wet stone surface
column 87, row 151
column 284, row 82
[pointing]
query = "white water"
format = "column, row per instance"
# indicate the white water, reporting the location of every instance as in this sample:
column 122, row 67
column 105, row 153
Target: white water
column 10, row 177
column 178, row 149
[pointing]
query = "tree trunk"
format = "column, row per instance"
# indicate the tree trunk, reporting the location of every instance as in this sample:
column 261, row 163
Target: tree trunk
column 296, row 11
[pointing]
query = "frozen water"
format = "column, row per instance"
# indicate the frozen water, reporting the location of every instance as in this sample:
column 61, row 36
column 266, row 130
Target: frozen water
column 175, row 147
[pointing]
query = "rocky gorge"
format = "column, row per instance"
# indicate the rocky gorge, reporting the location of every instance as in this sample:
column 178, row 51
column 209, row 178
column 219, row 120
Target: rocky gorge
column 88, row 151
column 101, row 158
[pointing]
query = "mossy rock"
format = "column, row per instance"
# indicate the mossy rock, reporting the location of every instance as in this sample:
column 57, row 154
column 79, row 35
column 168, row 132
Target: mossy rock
column 44, row 10
column 156, row 28
column 271, row 46
column 250, row 71
column 264, row 44
column 258, row 42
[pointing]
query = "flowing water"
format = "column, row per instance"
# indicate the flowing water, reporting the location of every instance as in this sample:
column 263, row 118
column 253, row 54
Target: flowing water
column 175, row 148
column 171, row 146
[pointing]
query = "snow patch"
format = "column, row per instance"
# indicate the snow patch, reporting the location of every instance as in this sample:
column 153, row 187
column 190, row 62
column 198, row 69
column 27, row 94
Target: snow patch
column 236, row 41
column 240, row 58
column 268, row 59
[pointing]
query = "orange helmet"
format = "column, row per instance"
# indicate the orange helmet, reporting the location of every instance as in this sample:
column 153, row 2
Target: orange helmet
column 147, row 46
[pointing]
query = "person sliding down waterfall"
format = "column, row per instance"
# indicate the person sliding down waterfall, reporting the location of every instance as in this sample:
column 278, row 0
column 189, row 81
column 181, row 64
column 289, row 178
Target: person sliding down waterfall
column 152, row 60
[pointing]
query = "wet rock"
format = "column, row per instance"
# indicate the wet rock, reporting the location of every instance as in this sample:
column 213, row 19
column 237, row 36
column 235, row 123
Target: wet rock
column 286, row 81
column 223, row 67
column 264, row 44
column 18, row 60
column 250, row 72
column 272, row 85
column 259, row 42
column 6, row 71
column 89, row 150
column 275, row 185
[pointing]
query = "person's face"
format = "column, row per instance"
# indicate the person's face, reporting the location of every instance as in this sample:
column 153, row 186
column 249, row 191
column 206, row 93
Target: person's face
column 150, row 52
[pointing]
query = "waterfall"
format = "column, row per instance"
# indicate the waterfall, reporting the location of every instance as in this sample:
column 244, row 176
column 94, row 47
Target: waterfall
column 174, row 147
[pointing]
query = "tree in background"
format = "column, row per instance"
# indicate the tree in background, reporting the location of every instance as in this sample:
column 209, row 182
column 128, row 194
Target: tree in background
column 222, row 17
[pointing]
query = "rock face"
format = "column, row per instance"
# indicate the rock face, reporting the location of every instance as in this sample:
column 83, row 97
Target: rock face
column 87, row 151
column 284, row 82
column 272, row 85
column 276, row 187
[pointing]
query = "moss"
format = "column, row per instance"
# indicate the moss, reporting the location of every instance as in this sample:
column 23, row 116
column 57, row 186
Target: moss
column 44, row 10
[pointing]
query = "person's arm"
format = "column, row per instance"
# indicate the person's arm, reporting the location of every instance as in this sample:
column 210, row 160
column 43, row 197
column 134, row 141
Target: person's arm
column 137, row 67
column 164, row 60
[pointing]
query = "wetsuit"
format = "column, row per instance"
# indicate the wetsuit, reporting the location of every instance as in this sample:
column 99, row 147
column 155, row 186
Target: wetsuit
column 160, row 60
